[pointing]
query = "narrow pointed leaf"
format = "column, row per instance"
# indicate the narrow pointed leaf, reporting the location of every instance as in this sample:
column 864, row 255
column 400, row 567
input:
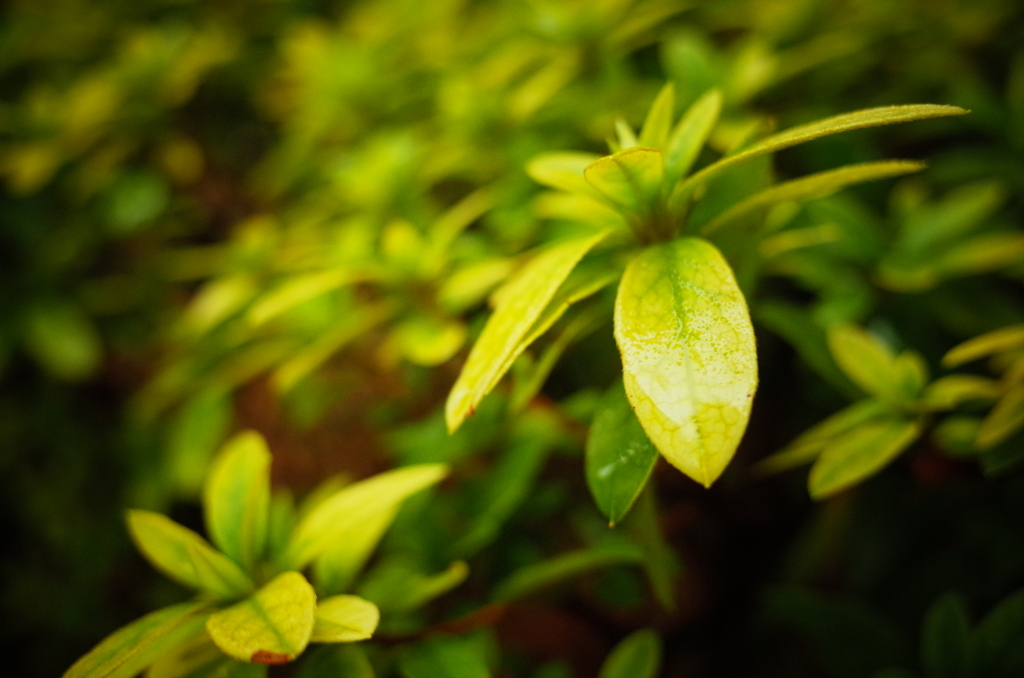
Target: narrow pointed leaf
column 236, row 498
column 659, row 119
column 522, row 301
column 945, row 639
column 560, row 569
column 638, row 655
column 1004, row 419
column 630, row 179
column 990, row 343
column 184, row 556
column 811, row 187
column 625, row 137
column 690, row 135
column 562, row 170
column 859, row 454
column 353, row 509
column 872, row 117
column 131, row 649
column 273, row 626
column 344, row 619
column 619, row 455
column 688, row 354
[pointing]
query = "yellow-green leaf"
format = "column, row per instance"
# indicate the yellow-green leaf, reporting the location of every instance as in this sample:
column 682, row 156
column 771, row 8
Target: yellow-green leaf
column 866, row 360
column 523, row 300
column 811, row 187
column 638, row 655
column 949, row 391
column 562, row 170
column 659, row 118
column 272, row 626
column 131, row 649
column 629, row 180
column 690, row 134
column 236, row 498
column 997, row 341
column 1004, row 419
column 341, row 517
column 344, row 619
column 859, row 454
column 183, row 555
column 688, row 354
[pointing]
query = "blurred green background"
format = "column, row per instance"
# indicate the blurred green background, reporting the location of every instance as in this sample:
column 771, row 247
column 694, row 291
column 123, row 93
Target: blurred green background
column 287, row 215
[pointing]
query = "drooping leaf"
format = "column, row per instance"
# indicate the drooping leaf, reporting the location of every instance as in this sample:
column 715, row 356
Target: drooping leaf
column 990, row 343
column 272, row 626
column 131, row 649
column 619, row 455
column 352, row 508
column 236, row 498
column 811, row 187
column 638, row 655
column 344, row 619
column 689, row 136
column 859, row 454
column 659, row 118
column 523, row 300
column 688, row 354
column 183, row 555
column 944, row 639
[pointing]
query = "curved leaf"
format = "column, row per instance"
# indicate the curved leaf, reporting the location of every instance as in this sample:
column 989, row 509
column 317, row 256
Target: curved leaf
column 690, row 134
column 859, row 454
column 996, row 341
column 638, row 655
column 688, row 354
column 273, row 626
column 236, row 499
column 344, row 619
column 659, row 118
column 630, row 179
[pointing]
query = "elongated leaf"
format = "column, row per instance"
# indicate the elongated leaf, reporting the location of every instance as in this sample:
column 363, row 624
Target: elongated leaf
column 630, row 180
column 344, row 619
column 944, row 639
column 354, row 507
column 638, row 655
column 859, row 454
column 534, row 578
column 949, row 391
column 446, row 657
column 990, row 343
column 659, row 118
column 619, row 455
column 298, row 290
column 980, row 254
column 690, row 135
column 522, row 302
column 199, row 657
column 562, row 170
column 625, row 138
column 129, row 650
column 660, row 562
column 811, row 187
column 336, row 568
column 688, row 354
column 1004, row 419
column 273, row 626
column 866, row 360
column 236, row 498
column 396, row 586
column 183, row 555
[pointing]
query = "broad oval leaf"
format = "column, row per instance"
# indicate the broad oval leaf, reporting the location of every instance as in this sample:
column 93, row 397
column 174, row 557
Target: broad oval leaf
column 353, row 509
column 522, row 301
column 638, row 655
column 619, row 455
column 344, row 619
column 688, row 354
column 236, row 499
column 859, row 454
column 272, row 626
column 130, row 649
column 184, row 556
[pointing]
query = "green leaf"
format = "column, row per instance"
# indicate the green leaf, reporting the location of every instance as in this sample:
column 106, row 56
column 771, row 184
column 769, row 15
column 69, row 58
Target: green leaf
column 562, row 170
column 535, row 578
column 859, row 454
column 199, row 657
column 186, row 557
column 344, row 619
column 625, row 137
column 811, row 187
column 273, row 626
column 523, row 300
column 236, row 499
column 630, row 180
column 446, row 657
column 336, row 661
column 944, row 639
column 1004, row 419
column 996, row 650
column 64, row 340
column 131, row 649
column 198, row 428
column 345, row 515
column 990, row 343
column 660, row 562
column 336, row 568
column 690, row 134
column 659, row 118
column 952, row 390
column 396, row 586
column 866, row 360
column 638, row 655
column 298, row 290
column 872, row 117
column 688, row 354
column 980, row 254
column 619, row 455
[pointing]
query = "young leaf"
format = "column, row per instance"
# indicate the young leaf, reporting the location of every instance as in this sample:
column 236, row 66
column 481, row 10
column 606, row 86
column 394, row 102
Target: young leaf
column 273, row 626
column 690, row 135
column 353, row 508
column 1004, row 419
column 619, row 455
column 944, row 639
column 859, row 454
column 949, row 391
column 131, row 649
column 625, row 137
column 866, row 360
column 335, row 568
column 236, row 498
column 522, row 301
column 811, row 187
column 629, row 180
column 872, row 117
column 659, row 118
column 184, row 556
column 562, row 170
column 344, row 619
column 638, row 655
column 545, row 574
column 688, row 354
column 997, row 341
